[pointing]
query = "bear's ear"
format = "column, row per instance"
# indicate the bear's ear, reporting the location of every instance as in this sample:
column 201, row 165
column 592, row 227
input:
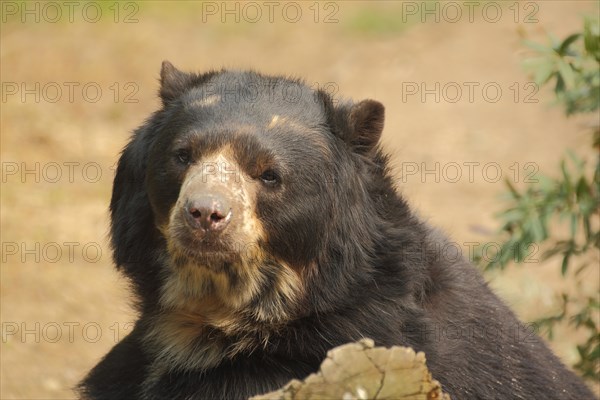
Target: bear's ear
column 173, row 82
column 365, row 122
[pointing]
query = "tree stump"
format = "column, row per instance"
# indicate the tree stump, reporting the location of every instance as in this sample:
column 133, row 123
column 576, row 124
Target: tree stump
column 361, row 371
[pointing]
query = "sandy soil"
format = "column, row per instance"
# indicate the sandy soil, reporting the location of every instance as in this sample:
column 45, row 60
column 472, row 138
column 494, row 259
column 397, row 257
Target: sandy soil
column 62, row 303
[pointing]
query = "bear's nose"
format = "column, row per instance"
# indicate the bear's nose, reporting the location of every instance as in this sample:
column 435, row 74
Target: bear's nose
column 208, row 212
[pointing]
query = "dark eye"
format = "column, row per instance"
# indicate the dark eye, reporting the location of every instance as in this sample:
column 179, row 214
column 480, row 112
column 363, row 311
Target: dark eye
column 269, row 177
column 183, row 156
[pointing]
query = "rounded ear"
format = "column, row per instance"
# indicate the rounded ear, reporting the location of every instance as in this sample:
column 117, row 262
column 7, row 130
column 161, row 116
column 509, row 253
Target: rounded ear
column 173, row 82
column 359, row 125
column 365, row 121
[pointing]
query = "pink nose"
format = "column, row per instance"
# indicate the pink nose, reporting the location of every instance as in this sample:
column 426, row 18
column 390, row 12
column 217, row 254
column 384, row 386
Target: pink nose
column 210, row 213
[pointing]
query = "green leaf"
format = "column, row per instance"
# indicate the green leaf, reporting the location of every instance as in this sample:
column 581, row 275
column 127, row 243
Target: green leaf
column 564, row 46
column 595, row 353
column 565, row 263
column 554, row 41
column 568, row 186
column 544, row 74
column 507, row 253
column 583, row 189
column 538, row 47
column 512, row 216
column 559, row 87
column 587, row 229
column 537, row 230
column 513, row 190
column 573, row 226
column 566, row 72
column 591, row 37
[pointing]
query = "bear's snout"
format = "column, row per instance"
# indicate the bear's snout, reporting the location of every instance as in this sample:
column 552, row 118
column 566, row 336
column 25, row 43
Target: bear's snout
column 210, row 213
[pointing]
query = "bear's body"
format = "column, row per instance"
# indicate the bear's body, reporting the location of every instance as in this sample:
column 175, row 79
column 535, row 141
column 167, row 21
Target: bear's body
column 260, row 228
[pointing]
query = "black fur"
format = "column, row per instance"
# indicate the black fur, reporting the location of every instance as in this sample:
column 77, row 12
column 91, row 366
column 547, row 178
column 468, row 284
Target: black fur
column 369, row 266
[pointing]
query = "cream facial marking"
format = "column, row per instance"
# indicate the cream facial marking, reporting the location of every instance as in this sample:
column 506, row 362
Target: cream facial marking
column 276, row 120
column 205, row 101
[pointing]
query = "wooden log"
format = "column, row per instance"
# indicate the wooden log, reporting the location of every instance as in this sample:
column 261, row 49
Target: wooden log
column 361, row 371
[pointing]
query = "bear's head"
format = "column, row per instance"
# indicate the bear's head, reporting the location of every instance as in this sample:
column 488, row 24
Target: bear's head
column 248, row 200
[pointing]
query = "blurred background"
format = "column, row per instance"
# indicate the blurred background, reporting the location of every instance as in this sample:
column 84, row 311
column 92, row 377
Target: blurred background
column 462, row 116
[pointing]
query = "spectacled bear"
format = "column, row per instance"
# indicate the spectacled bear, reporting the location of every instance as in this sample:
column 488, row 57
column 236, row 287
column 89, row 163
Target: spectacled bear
column 259, row 225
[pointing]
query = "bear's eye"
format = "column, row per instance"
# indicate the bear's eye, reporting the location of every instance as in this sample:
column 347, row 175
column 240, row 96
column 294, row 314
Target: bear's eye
column 183, row 156
column 269, row 177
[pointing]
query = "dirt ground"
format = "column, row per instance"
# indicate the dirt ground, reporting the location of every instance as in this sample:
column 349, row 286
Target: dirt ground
column 76, row 81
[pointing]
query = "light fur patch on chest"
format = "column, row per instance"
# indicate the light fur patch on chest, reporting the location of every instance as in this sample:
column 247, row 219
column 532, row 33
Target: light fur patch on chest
column 196, row 329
